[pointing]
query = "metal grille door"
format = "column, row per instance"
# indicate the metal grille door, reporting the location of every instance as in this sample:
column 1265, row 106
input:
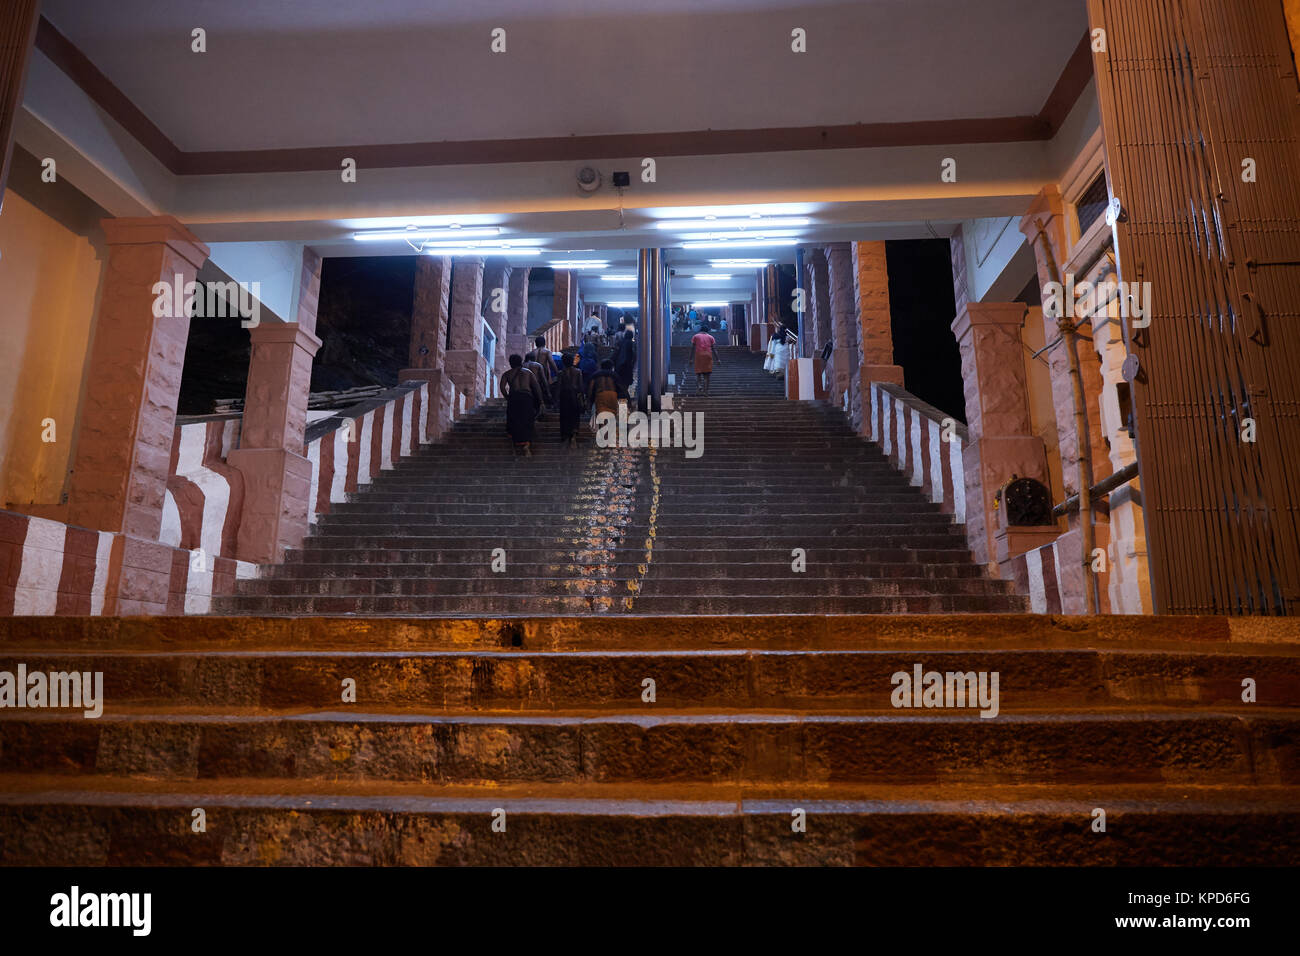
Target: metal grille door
column 1200, row 112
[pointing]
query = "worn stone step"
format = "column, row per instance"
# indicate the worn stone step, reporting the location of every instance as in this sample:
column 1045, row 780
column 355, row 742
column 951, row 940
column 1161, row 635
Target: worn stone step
column 317, row 551
column 1206, row 747
column 95, row 821
column 826, row 681
column 819, row 568
column 617, row 600
column 790, row 584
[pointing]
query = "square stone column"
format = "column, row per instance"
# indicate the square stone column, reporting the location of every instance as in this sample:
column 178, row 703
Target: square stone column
column 564, row 296
column 430, row 318
column 845, row 327
column 517, row 317
column 429, row 313
column 272, row 455
column 871, row 291
column 124, row 444
column 464, row 359
column 819, row 299
column 1001, row 442
column 1044, row 227
column 496, row 308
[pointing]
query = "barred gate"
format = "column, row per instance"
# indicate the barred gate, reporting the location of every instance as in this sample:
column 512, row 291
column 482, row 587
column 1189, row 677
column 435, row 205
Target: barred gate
column 1195, row 96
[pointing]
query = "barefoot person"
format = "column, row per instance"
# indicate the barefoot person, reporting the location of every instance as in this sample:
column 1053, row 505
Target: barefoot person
column 706, row 354
column 603, row 393
column 523, row 398
column 572, row 398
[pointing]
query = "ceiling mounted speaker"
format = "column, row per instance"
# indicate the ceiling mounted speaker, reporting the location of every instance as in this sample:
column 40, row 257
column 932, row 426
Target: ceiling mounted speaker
column 588, row 179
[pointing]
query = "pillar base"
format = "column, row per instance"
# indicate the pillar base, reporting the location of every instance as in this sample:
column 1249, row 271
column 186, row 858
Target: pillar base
column 1015, row 540
column 989, row 463
column 468, row 369
column 889, row 374
column 803, row 380
column 277, row 484
column 141, row 582
column 442, row 398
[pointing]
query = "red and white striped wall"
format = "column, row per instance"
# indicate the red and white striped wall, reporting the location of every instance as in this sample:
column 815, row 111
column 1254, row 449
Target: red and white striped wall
column 50, row 568
column 912, row 435
column 353, row 454
column 204, row 495
column 1036, row 574
column 804, row 381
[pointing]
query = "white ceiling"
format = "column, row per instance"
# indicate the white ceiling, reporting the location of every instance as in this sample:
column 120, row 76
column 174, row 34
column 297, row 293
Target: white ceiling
column 281, row 74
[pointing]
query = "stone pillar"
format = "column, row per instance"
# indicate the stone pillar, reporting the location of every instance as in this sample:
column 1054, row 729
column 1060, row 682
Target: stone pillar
column 464, row 360
column 1000, row 440
column 496, row 308
column 819, row 298
column 845, row 328
column 564, row 294
column 1044, row 227
column 124, row 444
column 429, row 314
column 517, row 318
column 430, row 318
column 17, row 38
column 272, row 453
column 871, row 291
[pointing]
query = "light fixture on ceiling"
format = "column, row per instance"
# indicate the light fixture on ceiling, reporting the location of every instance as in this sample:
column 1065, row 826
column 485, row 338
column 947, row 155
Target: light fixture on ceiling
column 619, row 278
column 508, row 251
column 581, row 264
column 753, row 222
column 709, row 305
column 456, row 232
column 739, row 263
column 622, row 305
column 737, row 243
column 711, row 277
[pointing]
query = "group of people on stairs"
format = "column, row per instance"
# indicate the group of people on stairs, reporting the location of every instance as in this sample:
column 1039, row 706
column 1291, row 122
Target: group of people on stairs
column 534, row 382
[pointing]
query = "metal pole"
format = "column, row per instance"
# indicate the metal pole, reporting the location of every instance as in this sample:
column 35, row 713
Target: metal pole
column 665, row 329
column 799, row 297
column 648, row 298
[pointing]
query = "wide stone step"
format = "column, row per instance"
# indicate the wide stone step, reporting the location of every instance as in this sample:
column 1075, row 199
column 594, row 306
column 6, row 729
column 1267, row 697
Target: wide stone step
column 586, row 584
column 448, row 680
column 520, row 602
column 109, row 822
column 1207, row 747
column 481, row 552
column 672, row 508
column 376, row 498
column 819, row 569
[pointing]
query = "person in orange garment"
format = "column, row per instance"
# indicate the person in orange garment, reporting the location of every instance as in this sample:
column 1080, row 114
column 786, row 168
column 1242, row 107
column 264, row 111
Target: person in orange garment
column 706, row 354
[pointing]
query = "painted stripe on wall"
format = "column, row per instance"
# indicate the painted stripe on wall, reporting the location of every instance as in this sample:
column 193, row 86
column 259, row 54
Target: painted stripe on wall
column 386, row 439
column 914, row 434
column 1034, row 570
column 408, row 406
column 36, row 591
column 313, row 497
column 343, row 452
column 103, row 552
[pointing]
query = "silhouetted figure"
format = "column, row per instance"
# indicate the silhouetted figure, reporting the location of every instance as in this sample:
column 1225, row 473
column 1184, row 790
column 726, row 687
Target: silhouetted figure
column 534, row 366
column 604, row 392
column 523, row 394
column 625, row 360
column 572, row 399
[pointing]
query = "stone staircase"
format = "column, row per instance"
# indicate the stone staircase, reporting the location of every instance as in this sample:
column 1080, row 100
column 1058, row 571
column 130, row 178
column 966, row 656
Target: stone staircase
column 785, row 511
column 757, row 724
